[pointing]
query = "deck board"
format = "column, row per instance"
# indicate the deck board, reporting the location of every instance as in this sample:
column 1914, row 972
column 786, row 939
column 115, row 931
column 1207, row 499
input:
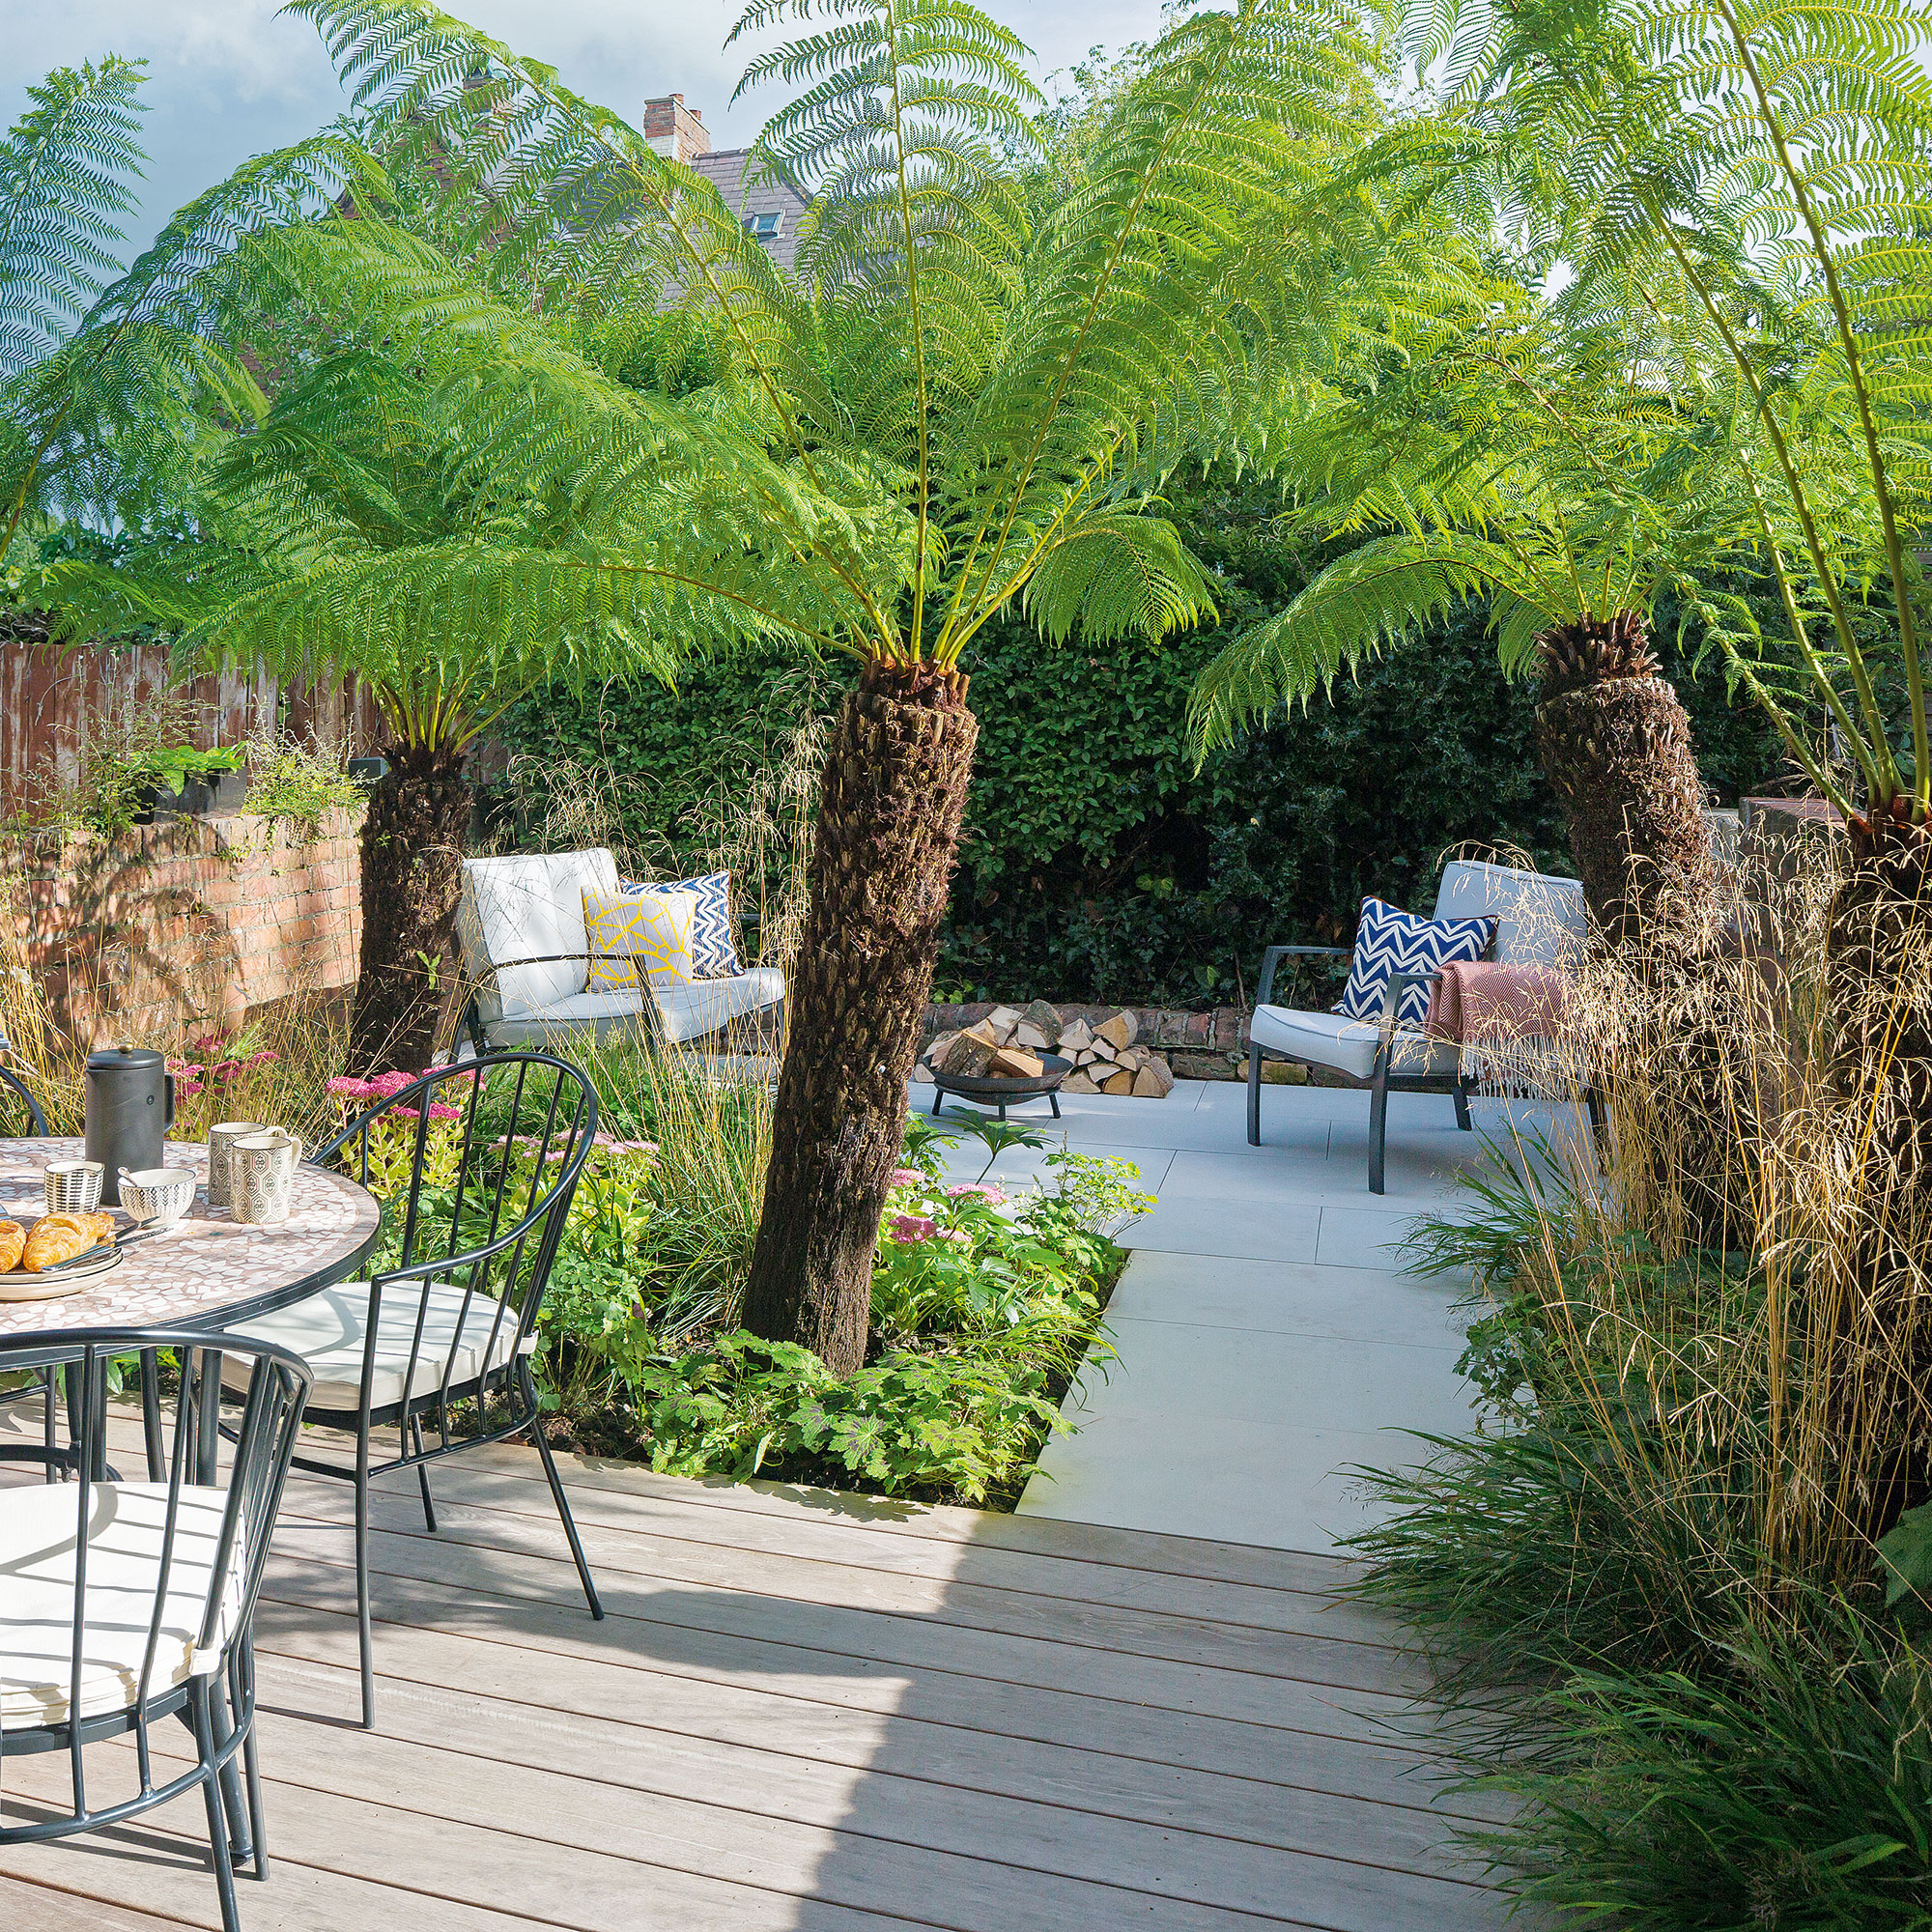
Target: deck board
column 802, row 1712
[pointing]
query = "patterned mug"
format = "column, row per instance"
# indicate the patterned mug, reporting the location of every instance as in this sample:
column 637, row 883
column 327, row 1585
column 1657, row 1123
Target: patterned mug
column 221, row 1139
column 262, row 1176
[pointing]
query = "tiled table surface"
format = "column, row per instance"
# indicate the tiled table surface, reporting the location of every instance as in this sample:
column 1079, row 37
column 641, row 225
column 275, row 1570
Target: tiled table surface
column 207, row 1266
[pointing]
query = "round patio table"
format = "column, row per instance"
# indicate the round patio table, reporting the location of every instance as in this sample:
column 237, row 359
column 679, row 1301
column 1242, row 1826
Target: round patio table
column 207, row 1271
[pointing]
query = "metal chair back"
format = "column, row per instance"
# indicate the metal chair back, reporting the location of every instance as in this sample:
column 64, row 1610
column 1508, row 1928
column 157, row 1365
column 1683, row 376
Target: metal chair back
column 478, row 1163
column 125, row 1602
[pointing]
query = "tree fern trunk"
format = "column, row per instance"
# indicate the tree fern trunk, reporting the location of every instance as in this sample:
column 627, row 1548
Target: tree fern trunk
column 1615, row 744
column 411, row 869
column 890, row 810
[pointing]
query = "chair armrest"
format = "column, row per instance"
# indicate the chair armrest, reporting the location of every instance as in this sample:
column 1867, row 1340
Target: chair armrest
column 1275, row 955
column 1398, row 985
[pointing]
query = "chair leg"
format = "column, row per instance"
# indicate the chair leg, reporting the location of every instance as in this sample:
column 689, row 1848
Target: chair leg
column 569, row 1521
column 362, row 1632
column 1463, row 1119
column 1378, row 1101
column 422, row 1474
column 217, row 1821
column 251, row 1767
column 1254, row 1095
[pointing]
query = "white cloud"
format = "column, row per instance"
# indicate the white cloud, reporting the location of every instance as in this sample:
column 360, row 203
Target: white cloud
column 230, row 79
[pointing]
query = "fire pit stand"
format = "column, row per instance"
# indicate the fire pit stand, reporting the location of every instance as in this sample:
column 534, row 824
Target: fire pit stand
column 1002, row 1089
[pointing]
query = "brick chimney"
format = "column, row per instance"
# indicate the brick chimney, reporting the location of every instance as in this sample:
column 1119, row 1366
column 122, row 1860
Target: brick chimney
column 674, row 130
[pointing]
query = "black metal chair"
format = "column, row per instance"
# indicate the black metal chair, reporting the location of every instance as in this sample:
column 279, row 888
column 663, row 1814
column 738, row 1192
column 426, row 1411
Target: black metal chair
column 123, row 1602
column 450, row 1316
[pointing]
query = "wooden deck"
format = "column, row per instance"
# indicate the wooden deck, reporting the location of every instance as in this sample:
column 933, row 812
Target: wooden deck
column 804, row 1710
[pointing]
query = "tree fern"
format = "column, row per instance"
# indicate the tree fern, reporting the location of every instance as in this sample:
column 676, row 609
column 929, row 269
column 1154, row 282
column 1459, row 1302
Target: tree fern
column 65, row 168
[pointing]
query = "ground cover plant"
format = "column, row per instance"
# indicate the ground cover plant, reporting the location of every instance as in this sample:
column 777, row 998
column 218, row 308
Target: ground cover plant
column 985, row 1303
column 1679, row 1582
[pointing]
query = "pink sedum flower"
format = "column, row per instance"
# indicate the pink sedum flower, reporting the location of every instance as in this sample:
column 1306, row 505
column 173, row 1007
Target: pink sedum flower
column 908, row 1177
column 961, row 1190
column 351, row 1089
column 912, row 1228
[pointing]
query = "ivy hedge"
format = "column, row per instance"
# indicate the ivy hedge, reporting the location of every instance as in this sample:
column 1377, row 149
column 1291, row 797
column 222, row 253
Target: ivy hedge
column 1097, row 863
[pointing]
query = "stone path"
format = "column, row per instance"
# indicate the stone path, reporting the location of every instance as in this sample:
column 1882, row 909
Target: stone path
column 1267, row 1339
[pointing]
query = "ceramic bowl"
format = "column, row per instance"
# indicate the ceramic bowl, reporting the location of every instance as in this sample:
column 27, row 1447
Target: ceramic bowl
column 159, row 1196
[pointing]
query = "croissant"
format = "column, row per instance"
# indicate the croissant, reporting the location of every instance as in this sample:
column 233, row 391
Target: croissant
column 96, row 1227
column 55, row 1238
column 13, row 1238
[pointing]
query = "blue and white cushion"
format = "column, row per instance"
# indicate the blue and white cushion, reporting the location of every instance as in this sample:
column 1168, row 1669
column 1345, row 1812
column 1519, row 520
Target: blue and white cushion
column 1389, row 939
column 713, row 955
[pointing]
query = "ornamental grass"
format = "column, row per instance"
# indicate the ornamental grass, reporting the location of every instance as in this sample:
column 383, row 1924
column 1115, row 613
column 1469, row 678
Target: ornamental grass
column 1701, row 1343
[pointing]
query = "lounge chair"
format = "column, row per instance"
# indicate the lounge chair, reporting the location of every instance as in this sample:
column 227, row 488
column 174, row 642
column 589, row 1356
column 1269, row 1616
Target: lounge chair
column 1540, row 921
column 526, row 951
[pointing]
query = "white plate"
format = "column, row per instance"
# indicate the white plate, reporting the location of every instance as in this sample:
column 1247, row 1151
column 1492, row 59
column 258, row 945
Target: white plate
column 19, row 1286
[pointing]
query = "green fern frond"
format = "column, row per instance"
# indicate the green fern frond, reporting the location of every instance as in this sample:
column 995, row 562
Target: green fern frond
column 65, row 168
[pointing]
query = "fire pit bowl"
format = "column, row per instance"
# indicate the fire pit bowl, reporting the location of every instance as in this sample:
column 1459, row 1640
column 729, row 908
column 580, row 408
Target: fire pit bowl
column 1003, row 1090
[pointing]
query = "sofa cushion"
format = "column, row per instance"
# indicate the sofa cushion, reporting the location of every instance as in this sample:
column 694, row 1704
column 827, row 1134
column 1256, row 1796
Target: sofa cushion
column 1390, row 941
column 686, row 1010
column 648, row 923
column 527, row 907
column 1348, row 1046
column 714, row 955
column 1540, row 917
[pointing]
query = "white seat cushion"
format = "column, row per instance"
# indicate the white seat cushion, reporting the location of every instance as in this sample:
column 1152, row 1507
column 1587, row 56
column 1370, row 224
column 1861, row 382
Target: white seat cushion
column 37, row 1526
column 528, row 907
column 327, row 1331
column 1540, row 917
column 694, row 1007
column 687, row 1009
column 1330, row 1040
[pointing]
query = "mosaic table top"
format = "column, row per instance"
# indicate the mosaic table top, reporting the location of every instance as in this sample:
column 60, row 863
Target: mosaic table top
column 207, row 1268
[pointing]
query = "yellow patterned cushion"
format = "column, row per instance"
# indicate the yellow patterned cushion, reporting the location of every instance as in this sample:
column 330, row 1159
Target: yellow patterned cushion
column 653, row 926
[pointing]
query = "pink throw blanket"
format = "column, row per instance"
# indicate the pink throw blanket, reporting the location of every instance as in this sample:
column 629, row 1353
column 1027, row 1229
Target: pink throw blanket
column 1483, row 1000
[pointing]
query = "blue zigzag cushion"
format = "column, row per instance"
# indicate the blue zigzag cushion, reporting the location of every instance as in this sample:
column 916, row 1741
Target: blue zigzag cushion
column 713, row 955
column 1389, row 939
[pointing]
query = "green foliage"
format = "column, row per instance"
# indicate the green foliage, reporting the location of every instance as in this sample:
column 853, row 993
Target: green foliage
column 65, row 168
column 1096, row 861
column 1789, row 1786
column 979, row 1320
column 1905, row 1556
column 296, row 781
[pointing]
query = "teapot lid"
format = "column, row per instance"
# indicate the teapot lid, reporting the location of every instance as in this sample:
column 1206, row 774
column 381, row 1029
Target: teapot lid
column 123, row 1059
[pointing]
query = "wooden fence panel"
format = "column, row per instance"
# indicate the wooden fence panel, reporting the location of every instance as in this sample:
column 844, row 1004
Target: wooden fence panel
column 52, row 701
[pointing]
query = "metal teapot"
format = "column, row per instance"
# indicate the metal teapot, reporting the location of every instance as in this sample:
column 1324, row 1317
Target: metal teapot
column 131, row 1106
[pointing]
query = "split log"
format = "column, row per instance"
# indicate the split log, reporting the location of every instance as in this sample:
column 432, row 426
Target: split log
column 1079, row 1082
column 1015, row 1063
column 1118, row 1029
column 1118, row 1083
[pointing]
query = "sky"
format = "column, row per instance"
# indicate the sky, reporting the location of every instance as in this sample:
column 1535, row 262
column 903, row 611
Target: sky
column 228, row 78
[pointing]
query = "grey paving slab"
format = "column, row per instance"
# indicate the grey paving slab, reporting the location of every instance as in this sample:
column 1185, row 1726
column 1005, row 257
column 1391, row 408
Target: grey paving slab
column 1280, row 1485
column 1286, row 1297
column 1212, row 1379
column 1267, row 1337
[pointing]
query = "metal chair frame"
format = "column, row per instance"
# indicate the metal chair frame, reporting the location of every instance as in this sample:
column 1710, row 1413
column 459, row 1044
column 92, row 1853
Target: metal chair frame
column 1382, row 1080
column 215, row 1702
column 536, row 1231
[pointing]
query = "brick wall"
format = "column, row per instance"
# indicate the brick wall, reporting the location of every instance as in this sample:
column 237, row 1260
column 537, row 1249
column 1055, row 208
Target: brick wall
column 146, row 934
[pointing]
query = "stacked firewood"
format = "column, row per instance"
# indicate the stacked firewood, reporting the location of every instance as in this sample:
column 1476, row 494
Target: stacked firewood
column 1009, row 1041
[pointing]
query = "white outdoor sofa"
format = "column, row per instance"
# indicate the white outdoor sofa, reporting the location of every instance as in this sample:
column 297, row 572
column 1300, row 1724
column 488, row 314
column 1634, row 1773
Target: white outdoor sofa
column 527, row 956
column 1540, row 921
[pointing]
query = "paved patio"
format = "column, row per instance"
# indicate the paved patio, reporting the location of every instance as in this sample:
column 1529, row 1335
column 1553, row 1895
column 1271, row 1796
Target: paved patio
column 1267, row 1339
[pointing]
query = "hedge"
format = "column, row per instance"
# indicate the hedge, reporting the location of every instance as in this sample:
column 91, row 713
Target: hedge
column 1097, row 864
